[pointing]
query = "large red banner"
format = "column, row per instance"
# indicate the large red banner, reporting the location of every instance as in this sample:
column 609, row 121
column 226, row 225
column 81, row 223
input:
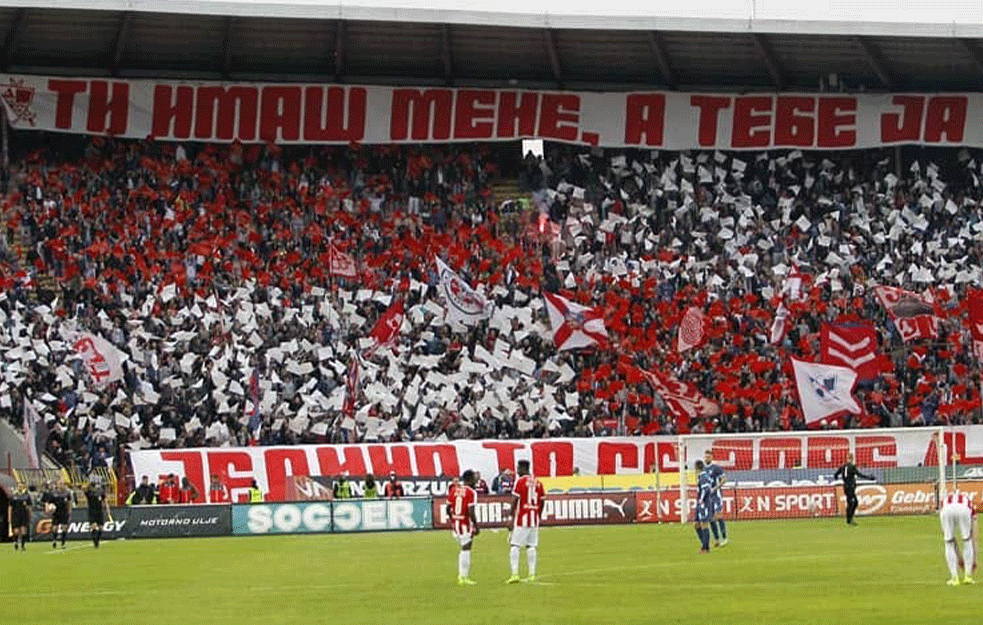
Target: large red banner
column 318, row 113
column 272, row 467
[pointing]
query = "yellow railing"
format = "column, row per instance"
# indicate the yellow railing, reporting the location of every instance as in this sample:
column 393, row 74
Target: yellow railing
column 73, row 478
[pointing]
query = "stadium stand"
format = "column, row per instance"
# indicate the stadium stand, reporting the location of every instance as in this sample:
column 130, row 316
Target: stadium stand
column 209, row 266
column 191, row 258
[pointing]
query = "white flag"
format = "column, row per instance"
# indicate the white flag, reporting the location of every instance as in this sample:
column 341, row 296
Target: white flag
column 824, row 390
column 103, row 361
column 464, row 305
column 31, row 424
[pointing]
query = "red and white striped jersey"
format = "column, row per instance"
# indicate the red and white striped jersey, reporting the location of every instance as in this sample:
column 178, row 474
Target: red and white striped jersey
column 530, row 494
column 960, row 498
column 460, row 500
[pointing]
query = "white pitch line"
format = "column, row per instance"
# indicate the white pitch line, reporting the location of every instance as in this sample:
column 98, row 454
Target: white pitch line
column 67, row 549
column 156, row 591
column 769, row 584
column 44, row 595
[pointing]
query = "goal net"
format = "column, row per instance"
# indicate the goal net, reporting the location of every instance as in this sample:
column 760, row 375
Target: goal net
column 791, row 474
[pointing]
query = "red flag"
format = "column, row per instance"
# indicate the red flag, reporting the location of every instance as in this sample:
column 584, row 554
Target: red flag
column 974, row 303
column 386, row 328
column 341, row 264
column 852, row 345
column 684, row 400
column 692, row 330
column 913, row 314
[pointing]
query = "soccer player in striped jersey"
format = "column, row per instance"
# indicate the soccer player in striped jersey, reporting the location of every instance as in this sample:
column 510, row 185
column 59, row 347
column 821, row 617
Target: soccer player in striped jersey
column 460, row 508
column 704, row 506
column 527, row 508
column 958, row 517
column 717, row 525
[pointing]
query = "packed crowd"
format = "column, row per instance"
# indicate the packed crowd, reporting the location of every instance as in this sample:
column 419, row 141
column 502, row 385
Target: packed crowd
column 202, row 264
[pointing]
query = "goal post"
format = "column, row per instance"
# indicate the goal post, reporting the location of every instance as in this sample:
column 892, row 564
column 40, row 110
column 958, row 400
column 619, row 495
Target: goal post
column 775, row 475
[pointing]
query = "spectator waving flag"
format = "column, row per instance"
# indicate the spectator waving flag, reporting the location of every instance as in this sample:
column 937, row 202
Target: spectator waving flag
column 386, row 329
column 824, row 390
column 692, row 330
column 780, row 325
column 102, row 360
column 32, row 434
column 464, row 305
column 913, row 314
column 255, row 417
column 793, row 284
column 341, row 264
column 974, row 303
column 683, row 399
column 574, row 326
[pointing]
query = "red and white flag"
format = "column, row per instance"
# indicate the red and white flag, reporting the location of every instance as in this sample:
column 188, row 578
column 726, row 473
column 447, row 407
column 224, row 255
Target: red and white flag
column 386, row 328
column 574, row 326
column 974, row 303
column 463, row 305
column 824, row 390
column 104, row 362
column 793, row 285
column 692, row 330
column 780, row 325
column 351, row 387
column 684, row 400
column 913, row 314
column 852, row 345
column 32, row 428
column 341, row 264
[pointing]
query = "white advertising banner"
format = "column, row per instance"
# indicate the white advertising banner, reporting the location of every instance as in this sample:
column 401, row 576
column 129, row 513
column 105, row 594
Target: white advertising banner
column 288, row 113
column 271, row 467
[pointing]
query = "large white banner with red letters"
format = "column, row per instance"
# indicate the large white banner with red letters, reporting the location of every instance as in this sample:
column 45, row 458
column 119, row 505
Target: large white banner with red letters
column 271, row 467
column 317, row 113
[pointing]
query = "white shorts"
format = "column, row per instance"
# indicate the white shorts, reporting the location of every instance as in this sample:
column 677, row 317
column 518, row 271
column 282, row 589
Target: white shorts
column 463, row 539
column 524, row 537
column 956, row 520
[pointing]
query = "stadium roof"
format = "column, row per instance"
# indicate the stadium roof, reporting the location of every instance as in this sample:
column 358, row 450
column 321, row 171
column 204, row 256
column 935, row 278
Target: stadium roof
column 750, row 45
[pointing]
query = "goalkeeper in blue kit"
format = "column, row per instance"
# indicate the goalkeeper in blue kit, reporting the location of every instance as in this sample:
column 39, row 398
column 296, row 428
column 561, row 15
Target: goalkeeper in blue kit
column 704, row 506
column 717, row 525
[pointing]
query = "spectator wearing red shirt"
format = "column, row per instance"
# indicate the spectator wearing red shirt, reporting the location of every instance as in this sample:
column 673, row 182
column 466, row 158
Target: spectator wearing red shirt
column 218, row 492
column 188, row 493
column 480, row 485
column 394, row 490
column 167, row 492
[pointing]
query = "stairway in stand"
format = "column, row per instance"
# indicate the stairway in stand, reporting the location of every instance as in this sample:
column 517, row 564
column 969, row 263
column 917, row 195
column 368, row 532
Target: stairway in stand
column 505, row 189
column 19, row 245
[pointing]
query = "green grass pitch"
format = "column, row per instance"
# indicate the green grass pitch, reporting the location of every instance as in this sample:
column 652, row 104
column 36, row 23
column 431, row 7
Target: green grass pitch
column 887, row 570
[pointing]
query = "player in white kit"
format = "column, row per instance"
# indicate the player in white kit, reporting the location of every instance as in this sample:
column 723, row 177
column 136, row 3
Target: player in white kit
column 958, row 518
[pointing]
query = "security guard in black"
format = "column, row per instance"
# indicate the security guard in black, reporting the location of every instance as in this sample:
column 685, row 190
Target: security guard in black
column 849, row 473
